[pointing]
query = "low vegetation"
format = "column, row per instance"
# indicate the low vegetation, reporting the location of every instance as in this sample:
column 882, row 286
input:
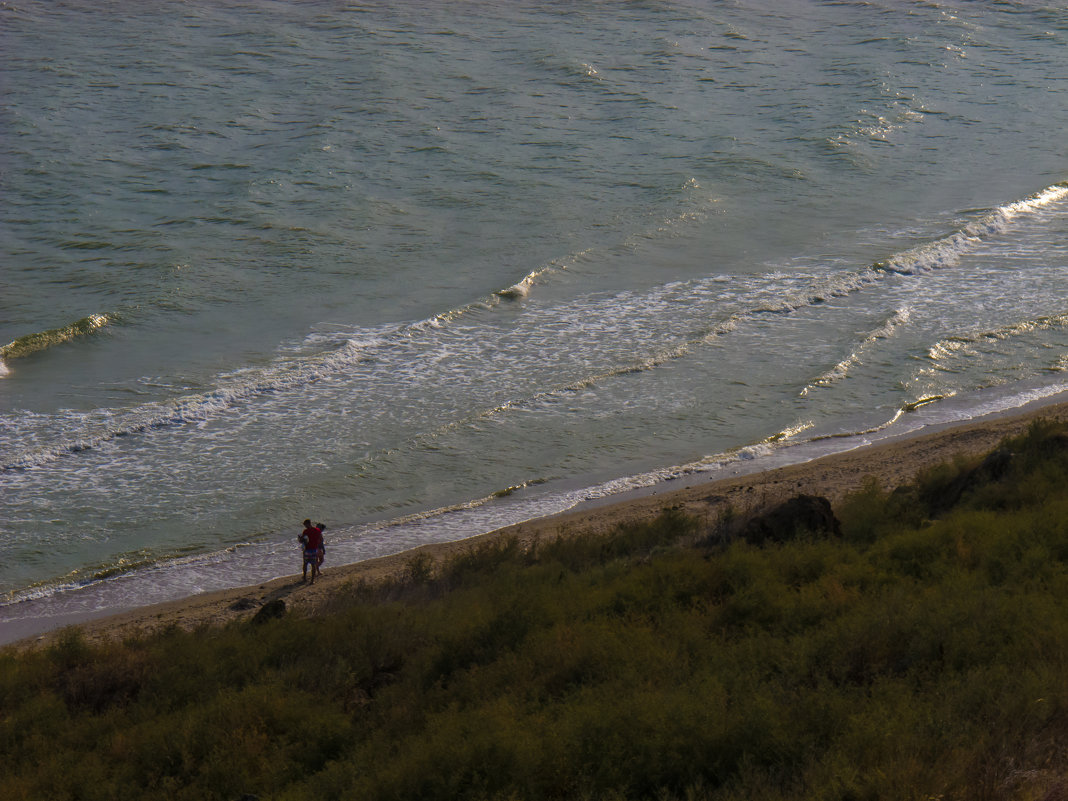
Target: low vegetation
column 921, row 652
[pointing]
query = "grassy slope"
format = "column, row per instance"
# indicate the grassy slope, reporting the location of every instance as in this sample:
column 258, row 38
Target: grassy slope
column 922, row 655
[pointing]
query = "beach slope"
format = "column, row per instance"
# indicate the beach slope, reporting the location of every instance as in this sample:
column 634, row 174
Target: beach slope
column 891, row 463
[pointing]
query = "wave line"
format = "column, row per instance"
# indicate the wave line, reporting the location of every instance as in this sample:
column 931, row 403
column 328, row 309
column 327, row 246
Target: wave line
column 32, row 343
column 841, row 370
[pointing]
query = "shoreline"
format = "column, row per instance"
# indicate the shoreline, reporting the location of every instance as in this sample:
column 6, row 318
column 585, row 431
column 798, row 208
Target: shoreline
column 894, row 461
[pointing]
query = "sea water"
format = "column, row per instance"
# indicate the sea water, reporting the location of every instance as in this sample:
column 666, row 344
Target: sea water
column 421, row 270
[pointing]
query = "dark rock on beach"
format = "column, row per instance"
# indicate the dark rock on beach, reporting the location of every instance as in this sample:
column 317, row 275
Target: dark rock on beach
column 802, row 513
column 270, row 611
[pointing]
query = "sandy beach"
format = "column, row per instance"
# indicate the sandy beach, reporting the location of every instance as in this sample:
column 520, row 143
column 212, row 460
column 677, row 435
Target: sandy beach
column 893, row 463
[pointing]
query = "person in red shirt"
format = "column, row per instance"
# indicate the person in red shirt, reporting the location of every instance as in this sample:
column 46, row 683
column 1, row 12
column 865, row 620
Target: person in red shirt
column 311, row 540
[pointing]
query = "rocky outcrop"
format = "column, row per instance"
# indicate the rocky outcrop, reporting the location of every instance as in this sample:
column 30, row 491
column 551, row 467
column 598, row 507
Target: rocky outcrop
column 800, row 514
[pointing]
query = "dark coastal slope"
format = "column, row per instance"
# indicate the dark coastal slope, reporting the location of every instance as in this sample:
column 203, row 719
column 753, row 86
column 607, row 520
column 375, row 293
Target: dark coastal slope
column 905, row 644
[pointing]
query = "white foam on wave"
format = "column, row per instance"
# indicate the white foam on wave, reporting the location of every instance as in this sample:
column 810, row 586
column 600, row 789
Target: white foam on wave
column 780, row 294
column 971, row 343
column 980, row 405
column 1047, row 196
column 751, row 454
column 841, row 370
column 623, row 322
column 620, row 316
column 520, row 289
column 697, row 207
column 49, row 338
column 946, row 251
column 104, row 425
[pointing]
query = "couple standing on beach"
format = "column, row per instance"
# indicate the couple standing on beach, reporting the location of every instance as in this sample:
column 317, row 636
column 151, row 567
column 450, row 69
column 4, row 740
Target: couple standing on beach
column 311, row 541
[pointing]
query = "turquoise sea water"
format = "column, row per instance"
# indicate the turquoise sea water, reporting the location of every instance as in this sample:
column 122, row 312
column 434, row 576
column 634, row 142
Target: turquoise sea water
column 422, row 270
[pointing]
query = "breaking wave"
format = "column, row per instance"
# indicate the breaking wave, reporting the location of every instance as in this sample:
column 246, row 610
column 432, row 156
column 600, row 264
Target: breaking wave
column 42, row 340
column 899, row 318
column 339, row 353
column 237, row 388
column 966, row 344
column 945, row 252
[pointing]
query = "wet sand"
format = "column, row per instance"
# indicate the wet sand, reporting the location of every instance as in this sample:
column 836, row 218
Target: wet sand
column 893, row 462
